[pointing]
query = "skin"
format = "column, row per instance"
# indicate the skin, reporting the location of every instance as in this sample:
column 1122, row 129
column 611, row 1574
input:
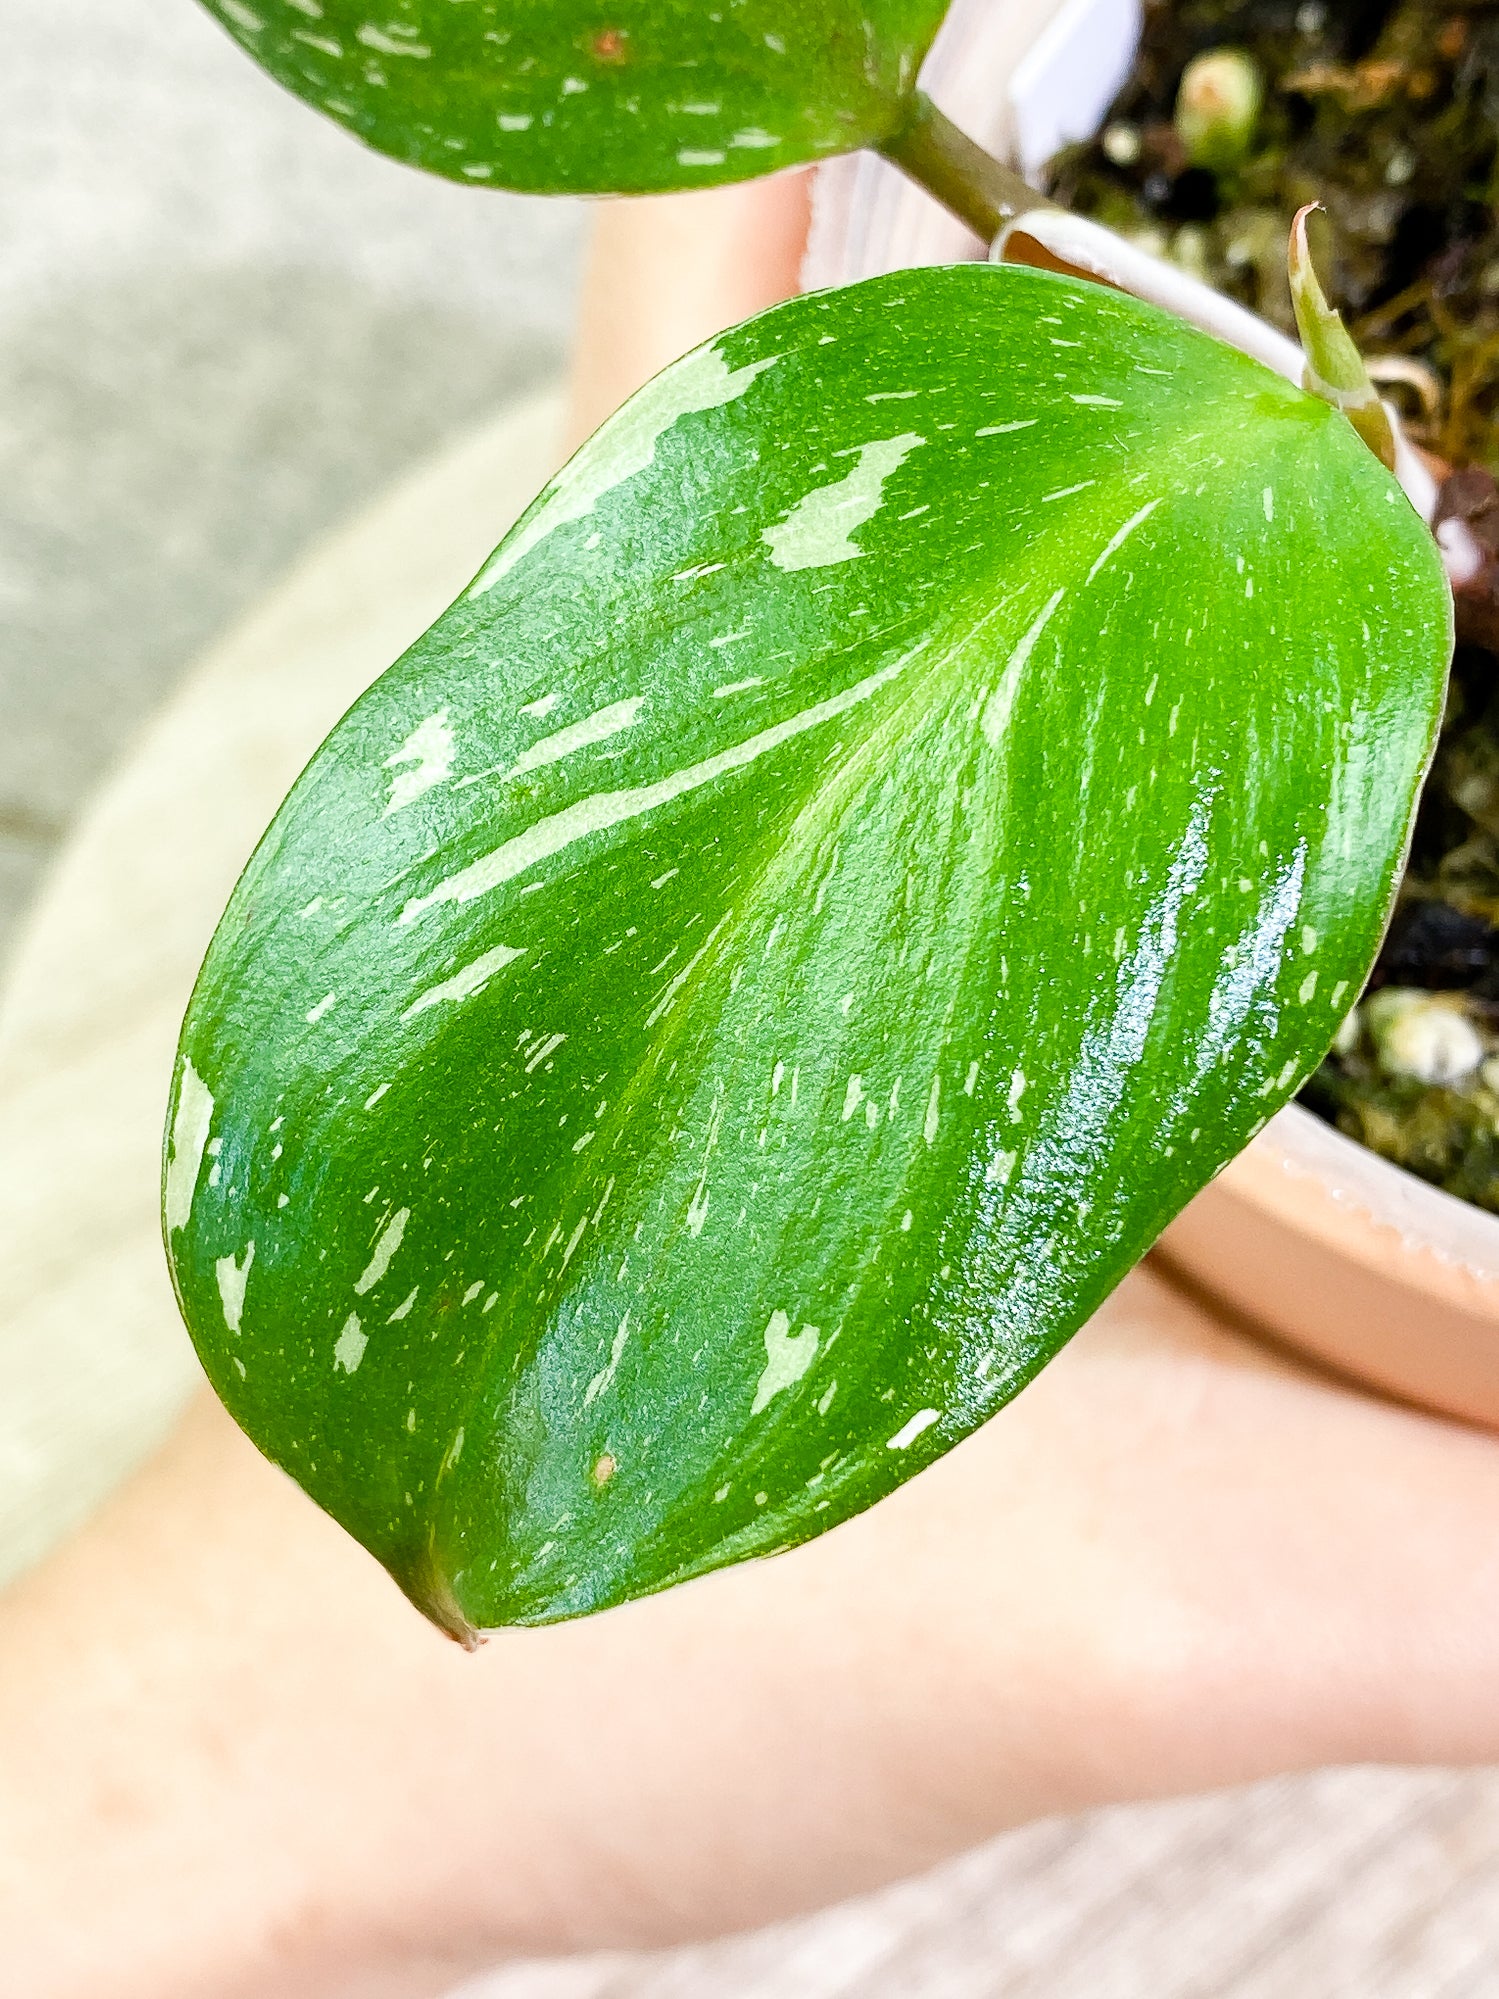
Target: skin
column 663, row 275
column 238, row 1766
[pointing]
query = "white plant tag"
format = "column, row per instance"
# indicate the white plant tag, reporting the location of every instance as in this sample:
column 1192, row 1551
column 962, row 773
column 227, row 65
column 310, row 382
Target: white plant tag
column 1069, row 76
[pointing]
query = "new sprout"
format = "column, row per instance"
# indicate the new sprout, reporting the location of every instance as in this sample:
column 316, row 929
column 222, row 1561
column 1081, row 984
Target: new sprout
column 1217, row 108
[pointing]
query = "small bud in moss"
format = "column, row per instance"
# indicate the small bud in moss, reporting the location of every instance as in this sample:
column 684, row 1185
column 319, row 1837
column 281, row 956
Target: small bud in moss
column 1152, row 240
column 1425, row 1036
column 1400, row 167
column 1335, row 369
column 1189, row 250
column 1218, row 107
column 1350, row 1032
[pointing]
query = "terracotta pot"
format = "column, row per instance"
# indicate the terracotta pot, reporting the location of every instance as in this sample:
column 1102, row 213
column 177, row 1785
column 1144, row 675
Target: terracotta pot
column 1306, row 1235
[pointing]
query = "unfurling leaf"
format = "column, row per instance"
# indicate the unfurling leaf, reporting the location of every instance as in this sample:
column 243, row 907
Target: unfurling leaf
column 1335, row 369
column 912, row 797
column 566, row 96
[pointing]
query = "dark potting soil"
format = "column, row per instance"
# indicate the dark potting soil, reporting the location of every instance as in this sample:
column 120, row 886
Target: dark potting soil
column 1388, row 114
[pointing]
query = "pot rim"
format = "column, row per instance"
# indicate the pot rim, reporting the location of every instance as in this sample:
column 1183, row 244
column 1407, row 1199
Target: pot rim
column 1368, row 1201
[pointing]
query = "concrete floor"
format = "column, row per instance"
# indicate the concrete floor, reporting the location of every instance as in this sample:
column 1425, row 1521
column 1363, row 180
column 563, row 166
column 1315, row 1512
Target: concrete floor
column 223, row 324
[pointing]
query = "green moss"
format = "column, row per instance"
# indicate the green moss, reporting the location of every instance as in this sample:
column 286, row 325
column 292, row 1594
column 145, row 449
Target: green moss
column 1389, row 117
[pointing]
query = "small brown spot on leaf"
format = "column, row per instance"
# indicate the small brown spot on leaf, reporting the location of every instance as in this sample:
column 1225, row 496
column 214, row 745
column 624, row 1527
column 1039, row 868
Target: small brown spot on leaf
column 603, row 1470
column 609, row 45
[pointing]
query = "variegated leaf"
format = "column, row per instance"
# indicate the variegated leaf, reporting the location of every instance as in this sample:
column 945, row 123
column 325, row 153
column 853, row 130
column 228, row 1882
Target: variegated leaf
column 902, row 808
column 567, row 96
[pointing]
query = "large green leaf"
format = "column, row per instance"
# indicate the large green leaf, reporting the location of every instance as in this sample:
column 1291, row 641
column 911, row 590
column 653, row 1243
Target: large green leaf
column 571, row 96
column 895, row 816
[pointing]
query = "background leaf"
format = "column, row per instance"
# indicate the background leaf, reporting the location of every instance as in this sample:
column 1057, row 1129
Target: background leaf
column 568, row 96
column 902, row 809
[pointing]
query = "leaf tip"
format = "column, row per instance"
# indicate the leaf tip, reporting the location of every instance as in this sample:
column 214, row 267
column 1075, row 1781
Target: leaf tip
column 431, row 1590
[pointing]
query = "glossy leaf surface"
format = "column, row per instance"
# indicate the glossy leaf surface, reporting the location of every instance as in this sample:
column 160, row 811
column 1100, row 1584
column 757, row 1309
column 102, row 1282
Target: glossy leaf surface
column 900, row 811
column 566, row 96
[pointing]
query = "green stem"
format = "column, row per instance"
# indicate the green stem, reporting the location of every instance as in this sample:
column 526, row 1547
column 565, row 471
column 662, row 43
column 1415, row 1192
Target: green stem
column 929, row 148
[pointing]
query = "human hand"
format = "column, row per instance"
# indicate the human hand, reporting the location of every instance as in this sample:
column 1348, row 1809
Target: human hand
column 238, row 1764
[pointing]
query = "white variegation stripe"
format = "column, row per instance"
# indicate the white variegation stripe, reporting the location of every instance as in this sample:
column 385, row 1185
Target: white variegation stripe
column 190, row 1126
column 1000, row 704
column 472, row 979
column 595, row 728
column 624, row 447
column 388, row 1242
column 607, row 809
column 1117, row 540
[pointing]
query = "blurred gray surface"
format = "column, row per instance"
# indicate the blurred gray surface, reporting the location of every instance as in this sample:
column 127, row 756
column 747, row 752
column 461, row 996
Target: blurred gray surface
column 222, row 325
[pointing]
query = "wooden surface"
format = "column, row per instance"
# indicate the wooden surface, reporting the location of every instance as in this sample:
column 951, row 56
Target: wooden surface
column 1347, row 1885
